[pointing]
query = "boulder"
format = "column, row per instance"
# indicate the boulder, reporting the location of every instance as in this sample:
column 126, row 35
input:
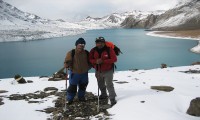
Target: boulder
column 163, row 65
column 3, row 91
column 17, row 97
column 20, row 79
column 163, row 88
column 196, row 63
column 29, row 81
column 1, row 103
column 194, row 108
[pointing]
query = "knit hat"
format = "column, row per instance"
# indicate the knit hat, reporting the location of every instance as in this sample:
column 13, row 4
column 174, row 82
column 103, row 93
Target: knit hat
column 100, row 39
column 80, row 41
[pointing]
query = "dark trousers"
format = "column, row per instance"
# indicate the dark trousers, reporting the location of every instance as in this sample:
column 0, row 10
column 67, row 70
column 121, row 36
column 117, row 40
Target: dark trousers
column 80, row 80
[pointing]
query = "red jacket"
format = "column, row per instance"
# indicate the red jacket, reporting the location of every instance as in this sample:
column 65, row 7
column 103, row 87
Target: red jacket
column 107, row 62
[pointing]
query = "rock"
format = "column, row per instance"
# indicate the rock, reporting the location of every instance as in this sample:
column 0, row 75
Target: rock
column 194, row 108
column 17, row 97
column 51, row 89
column 77, row 108
column 33, row 101
column 133, row 70
column 121, row 82
column 132, row 22
column 44, row 77
column 1, row 103
column 29, row 81
column 196, row 63
column 49, row 110
column 192, row 71
column 163, row 88
column 28, row 96
column 20, row 79
column 3, row 91
column 163, row 65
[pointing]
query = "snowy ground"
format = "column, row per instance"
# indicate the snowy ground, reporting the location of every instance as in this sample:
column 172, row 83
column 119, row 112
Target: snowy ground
column 155, row 106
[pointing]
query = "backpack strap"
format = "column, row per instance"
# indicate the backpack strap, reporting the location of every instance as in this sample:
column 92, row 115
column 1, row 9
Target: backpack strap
column 113, row 64
column 87, row 52
column 72, row 56
column 108, row 51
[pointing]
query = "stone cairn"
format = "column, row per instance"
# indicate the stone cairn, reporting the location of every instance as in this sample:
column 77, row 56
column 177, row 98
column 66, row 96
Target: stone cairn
column 60, row 75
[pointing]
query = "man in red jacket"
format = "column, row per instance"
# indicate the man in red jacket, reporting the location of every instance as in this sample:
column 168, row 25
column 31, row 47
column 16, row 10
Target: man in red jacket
column 103, row 58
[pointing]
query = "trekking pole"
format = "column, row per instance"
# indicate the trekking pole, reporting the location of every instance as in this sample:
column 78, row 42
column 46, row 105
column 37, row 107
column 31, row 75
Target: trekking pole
column 98, row 101
column 65, row 108
column 98, row 78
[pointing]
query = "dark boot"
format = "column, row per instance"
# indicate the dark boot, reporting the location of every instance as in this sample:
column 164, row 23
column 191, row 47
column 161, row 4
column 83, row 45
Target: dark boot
column 69, row 102
column 103, row 97
column 113, row 102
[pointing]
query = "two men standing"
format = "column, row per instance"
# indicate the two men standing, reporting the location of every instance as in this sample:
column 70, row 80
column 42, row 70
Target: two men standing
column 102, row 59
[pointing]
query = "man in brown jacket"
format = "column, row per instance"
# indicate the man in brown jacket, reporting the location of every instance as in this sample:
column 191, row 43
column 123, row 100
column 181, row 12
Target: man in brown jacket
column 77, row 60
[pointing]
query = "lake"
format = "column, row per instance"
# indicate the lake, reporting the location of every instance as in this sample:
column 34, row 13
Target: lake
column 45, row 57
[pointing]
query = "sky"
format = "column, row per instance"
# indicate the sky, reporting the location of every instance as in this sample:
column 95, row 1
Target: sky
column 76, row 9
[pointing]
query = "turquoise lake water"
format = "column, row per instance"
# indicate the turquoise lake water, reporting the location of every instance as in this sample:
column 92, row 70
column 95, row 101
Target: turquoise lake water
column 45, row 57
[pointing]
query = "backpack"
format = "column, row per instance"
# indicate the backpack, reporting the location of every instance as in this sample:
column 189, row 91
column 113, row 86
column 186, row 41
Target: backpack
column 114, row 47
column 73, row 53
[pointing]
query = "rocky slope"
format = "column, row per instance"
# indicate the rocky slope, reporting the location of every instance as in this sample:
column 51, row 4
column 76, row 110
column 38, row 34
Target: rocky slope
column 132, row 22
column 185, row 16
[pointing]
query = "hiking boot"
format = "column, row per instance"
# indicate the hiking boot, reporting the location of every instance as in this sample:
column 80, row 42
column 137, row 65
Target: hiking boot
column 69, row 102
column 82, row 99
column 103, row 97
column 113, row 102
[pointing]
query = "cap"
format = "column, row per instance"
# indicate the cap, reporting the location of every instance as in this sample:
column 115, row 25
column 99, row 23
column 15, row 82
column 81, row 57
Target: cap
column 80, row 41
column 100, row 39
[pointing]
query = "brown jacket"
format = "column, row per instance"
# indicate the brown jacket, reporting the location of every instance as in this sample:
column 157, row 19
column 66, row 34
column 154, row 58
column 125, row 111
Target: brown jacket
column 80, row 62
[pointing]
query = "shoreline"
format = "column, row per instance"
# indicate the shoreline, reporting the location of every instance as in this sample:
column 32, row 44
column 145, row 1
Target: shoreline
column 187, row 34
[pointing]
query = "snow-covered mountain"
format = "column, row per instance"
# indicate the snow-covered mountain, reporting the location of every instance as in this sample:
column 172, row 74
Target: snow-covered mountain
column 110, row 21
column 139, row 19
column 185, row 15
column 10, row 15
column 16, row 25
column 115, row 20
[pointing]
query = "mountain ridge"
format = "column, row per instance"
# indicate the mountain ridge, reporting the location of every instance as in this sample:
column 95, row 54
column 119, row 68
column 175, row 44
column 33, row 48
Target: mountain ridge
column 183, row 17
column 23, row 26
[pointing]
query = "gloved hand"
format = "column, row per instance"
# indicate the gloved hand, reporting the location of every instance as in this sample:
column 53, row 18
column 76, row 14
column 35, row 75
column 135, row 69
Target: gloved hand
column 99, row 61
